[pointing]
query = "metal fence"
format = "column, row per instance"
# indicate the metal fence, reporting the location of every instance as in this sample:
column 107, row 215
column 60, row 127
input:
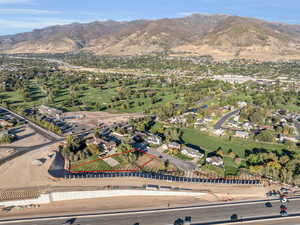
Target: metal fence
column 162, row 177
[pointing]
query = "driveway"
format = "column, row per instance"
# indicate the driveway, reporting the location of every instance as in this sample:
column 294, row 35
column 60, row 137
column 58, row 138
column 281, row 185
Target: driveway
column 181, row 164
column 219, row 124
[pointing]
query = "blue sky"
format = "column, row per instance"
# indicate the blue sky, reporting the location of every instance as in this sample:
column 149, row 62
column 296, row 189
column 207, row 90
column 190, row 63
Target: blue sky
column 26, row 15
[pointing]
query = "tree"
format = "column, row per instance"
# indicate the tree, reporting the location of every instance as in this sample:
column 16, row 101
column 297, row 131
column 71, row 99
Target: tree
column 71, row 142
column 296, row 179
column 166, row 164
column 265, row 136
column 94, row 149
column 173, row 134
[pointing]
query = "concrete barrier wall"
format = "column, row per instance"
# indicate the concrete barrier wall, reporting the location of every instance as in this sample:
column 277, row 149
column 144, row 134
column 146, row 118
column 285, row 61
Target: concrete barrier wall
column 77, row 195
column 61, row 196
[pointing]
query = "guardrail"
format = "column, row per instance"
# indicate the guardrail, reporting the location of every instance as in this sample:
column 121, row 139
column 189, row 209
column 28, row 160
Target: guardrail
column 162, row 177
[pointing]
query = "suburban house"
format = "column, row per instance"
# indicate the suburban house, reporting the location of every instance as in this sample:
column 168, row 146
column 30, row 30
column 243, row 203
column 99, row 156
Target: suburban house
column 106, row 145
column 202, row 122
column 121, row 129
column 109, row 145
column 247, row 126
column 241, row 134
column 219, row 132
column 174, row 145
column 242, row 104
column 193, row 153
column 215, row 161
column 155, row 140
column 233, row 123
column 286, row 138
column 173, row 120
column 236, row 118
column 199, row 122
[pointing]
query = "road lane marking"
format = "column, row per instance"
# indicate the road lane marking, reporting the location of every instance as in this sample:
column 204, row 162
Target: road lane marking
column 130, row 213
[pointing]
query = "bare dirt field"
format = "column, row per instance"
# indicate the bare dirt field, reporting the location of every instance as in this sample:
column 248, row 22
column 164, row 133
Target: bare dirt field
column 26, row 137
column 94, row 118
column 6, row 152
column 23, row 172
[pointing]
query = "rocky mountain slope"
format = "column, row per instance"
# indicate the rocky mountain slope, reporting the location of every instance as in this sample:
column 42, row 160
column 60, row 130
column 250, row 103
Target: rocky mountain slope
column 222, row 36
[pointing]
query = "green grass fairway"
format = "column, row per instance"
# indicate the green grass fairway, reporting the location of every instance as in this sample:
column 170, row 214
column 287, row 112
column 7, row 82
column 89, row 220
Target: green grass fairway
column 212, row 143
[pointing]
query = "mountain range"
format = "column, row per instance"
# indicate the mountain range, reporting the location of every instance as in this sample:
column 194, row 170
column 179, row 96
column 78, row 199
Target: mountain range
column 221, row 36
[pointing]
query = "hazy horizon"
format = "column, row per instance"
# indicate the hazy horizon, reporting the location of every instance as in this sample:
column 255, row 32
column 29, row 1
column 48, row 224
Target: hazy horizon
column 26, row 15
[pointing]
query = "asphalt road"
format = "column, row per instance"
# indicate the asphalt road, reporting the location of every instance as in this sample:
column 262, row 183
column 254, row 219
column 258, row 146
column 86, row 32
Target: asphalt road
column 284, row 220
column 210, row 214
column 219, row 124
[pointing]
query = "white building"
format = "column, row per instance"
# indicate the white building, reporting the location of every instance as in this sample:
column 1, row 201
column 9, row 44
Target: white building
column 215, row 161
column 192, row 153
column 155, row 140
column 241, row 134
column 242, row 104
column 247, row 126
column 199, row 122
column 174, row 145
column 219, row 132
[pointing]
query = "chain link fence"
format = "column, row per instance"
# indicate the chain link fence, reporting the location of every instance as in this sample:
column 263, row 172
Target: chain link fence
column 156, row 176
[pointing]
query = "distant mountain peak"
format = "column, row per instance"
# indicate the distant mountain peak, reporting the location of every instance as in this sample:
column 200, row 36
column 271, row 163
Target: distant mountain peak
column 219, row 35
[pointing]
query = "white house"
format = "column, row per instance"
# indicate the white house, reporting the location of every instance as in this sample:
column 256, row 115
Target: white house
column 247, row 126
column 199, row 122
column 241, row 134
column 286, row 138
column 219, row 132
column 242, row 104
column 155, row 140
column 191, row 153
column 236, row 118
column 174, row 145
column 215, row 161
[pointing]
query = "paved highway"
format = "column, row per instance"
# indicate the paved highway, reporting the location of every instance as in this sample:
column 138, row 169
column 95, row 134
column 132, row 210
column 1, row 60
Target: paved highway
column 209, row 214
